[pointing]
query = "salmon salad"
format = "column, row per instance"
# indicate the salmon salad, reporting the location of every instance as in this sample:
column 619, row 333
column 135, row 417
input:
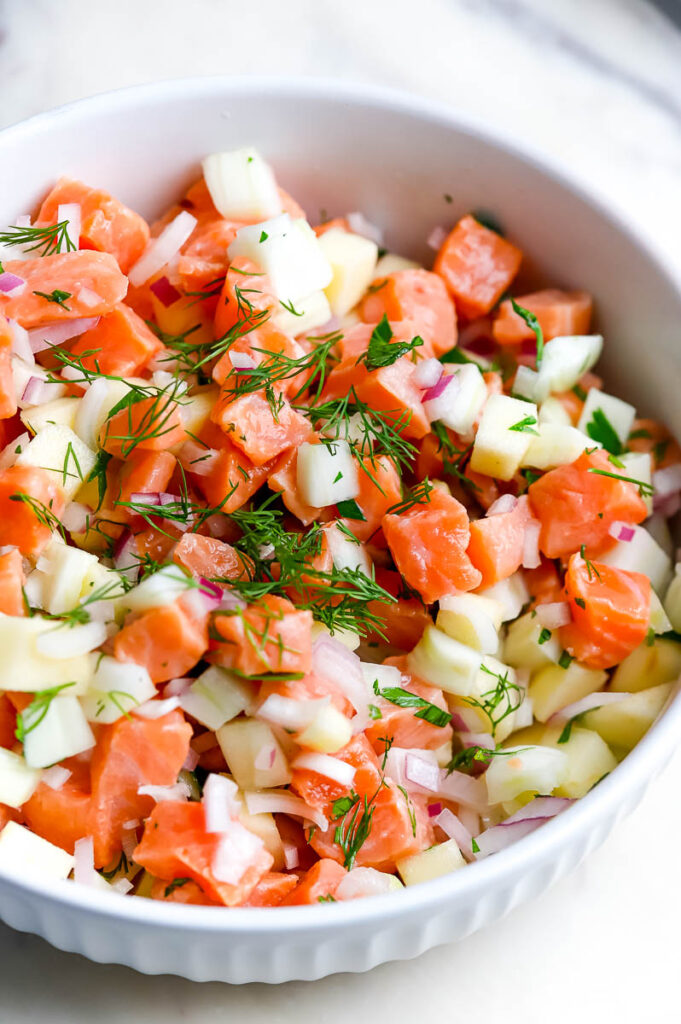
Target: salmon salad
column 323, row 572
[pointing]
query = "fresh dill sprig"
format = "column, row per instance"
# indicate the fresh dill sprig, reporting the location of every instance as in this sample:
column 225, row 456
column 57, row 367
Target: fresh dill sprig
column 645, row 489
column 370, row 433
column 41, row 511
column 454, row 459
column 500, row 701
column 382, row 350
column 45, row 240
column 418, row 495
column 534, row 325
column 32, row 715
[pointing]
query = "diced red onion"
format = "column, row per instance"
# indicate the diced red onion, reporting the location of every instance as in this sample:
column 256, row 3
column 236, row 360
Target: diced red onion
column 191, row 760
column 541, row 807
column 265, row 758
column 520, row 824
column 161, row 250
column 274, row 801
column 11, row 284
column 37, row 391
column 131, row 823
column 41, row 338
column 291, row 856
column 210, row 590
column 422, row 773
column 56, row 776
column 288, row 712
column 155, row 708
column 438, row 389
column 21, row 346
column 231, row 601
column 23, row 220
column 242, row 361
column 146, row 498
column 497, row 838
column 554, row 614
column 335, row 663
column 129, row 843
column 456, row 830
column 125, row 556
column 469, row 818
column 396, row 763
column 531, row 556
column 462, row 789
column 178, row 792
column 434, row 810
column 588, row 703
column 358, row 224
column 122, row 886
column 220, row 803
column 622, row 531
column 427, row 373
column 9, row 454
column 84, row 862
column 667, row 506
column 436, row 237
column 166, row 293
column 88, row 298
column 362, row 882
column 330, row 767
column 235, row 853
column 177, row 687
column 668, row 480
column 504, row 503
column 76, row 517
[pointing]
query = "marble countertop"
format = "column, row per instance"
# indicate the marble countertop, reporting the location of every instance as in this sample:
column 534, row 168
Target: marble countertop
column 596, row 84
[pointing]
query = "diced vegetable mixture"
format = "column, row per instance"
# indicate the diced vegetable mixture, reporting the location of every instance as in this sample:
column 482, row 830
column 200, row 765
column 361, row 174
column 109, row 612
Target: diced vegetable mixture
column 321, row 573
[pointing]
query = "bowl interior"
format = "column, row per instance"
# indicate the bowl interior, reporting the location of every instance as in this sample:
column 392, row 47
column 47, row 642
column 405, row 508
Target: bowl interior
column 406, row 166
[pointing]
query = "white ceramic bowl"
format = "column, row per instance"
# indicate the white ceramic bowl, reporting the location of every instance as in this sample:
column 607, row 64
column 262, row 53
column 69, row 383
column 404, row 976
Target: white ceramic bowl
column 394, row 158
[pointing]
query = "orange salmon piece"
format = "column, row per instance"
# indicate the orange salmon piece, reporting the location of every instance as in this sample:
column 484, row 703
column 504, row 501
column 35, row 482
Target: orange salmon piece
column 419, row 296
column 121, row 344
column 146, row 472
column 576, row 506
column 260, row 430
column 233, row 478
column 12, row 580
column 210, row 558
column 8, row 401
column 68, row 272
column 317, row 884
column 559, row 314
column 106, row 224
column 270, row 636
column 62, row 816
column 130, row 753
column 401, row 724
column 167, row 641
column 176, row 844
column 477, row 265
column 428, row 543
column 150, row 424
column 496, row 544
column 271, row 890
column 23, row 523
column 610, row 612
column 246, row 297
column 203, row 262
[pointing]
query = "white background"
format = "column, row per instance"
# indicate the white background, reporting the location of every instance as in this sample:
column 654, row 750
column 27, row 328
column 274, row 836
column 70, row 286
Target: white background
column 597, row 85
